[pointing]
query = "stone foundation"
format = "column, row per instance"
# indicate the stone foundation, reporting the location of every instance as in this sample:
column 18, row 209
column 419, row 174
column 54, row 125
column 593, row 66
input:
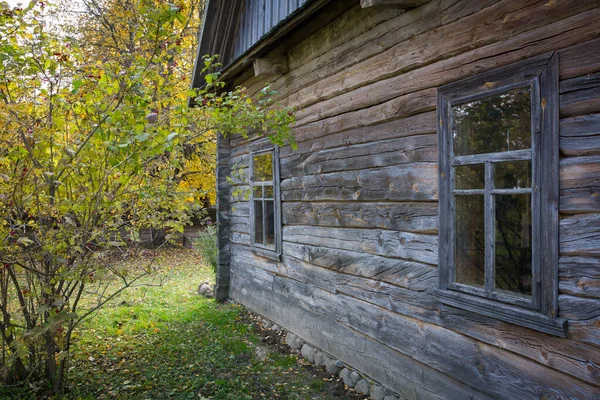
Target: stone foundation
column 353, row 379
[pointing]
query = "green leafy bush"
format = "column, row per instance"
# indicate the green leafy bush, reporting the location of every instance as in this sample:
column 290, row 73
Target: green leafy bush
column 206, row 244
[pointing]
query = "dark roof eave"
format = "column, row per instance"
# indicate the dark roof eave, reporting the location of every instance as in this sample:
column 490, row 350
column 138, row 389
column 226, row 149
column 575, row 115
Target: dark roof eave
column 265, row 44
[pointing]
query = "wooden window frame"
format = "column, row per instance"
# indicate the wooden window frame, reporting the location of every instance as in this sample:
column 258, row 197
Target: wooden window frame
column 540, row 311
column 273, row 253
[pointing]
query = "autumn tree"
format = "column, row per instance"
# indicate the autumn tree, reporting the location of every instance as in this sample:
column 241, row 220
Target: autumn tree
column 89, row 156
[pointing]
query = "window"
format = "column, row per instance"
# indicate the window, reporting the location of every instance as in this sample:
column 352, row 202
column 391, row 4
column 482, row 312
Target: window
column 498, row 154
column 265, row 217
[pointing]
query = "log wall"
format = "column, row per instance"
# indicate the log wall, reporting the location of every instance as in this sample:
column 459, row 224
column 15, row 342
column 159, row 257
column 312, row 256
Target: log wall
column 360, row 194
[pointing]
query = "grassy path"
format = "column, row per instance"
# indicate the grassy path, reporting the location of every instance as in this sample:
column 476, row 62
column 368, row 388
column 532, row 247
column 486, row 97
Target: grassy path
column 166, row 342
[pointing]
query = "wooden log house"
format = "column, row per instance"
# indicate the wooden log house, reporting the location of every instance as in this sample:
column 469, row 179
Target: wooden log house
column 438, row 227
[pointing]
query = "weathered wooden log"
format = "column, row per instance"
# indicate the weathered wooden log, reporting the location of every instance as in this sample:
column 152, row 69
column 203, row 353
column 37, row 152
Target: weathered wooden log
column 400, row 183
column 408, row 274
column 580, row 276
column 578, row 308
column 564, row 355
column 409, row 217
column 580, row 184
column 342, row 95
column 400, row 4
column 580, row 96
column 269, row 66
column 406, row 150
column 390, row 367
column 580, row 136
column 580, row 235
column 437, row 346
column 370, row 130
column 580, row 59
column 404, row 245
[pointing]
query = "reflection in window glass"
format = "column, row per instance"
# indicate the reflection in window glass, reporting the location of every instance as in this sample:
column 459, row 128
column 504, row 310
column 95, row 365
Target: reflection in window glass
column 513, row 243
column 269, row 223
column 494, row 124
column 469, row 254
column 514, row 174
column 258, row 192
column 263, row 167
column 258, row 223
column 268, row 192
column 469, row 176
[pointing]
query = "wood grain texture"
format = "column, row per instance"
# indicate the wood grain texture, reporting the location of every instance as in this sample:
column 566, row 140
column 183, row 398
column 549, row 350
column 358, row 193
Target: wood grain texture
column 580, row 276
column 399, row 183
column 353, row 131
column 581, row 59
column 404, row 245
column 580, row 235
column 409, row 217
column 580, row 96
column 501, row 373
column 383, row 153
column 569, row 356
column 578, row 308
column 403, row 273
column 580, row 136
column 406, row 376
column 380, row 80
column 580, row 184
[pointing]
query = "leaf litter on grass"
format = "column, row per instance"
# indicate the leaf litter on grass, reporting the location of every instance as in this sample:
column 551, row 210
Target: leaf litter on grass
column 167, row 342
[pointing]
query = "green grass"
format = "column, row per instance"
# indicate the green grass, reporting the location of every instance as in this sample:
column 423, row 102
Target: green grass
column 167, row 342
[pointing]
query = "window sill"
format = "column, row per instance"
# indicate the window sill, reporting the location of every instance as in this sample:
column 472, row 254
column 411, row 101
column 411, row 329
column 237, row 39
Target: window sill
column 504, row 312
column 270, row 254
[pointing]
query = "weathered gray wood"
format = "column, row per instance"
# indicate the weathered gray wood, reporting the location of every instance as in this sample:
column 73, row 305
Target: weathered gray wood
column 403, row 374
column 580, row 184
column 370, row 129
column 580, row 235
column 587, row 331
column 436, row 346
column 401, row 4
column 409, row 217
column 413, row 43
column 399, row 107
column 580, row 136
column 270, row 66
column 401, row 183
column 406, row 150
column 345, row 95
column 350, row 41
column 407, row 274
column 580, row 96
column 223, row 218
column 578, row 308
column 580, row 276
column 393, row 244
column 567, row 356
column 580, row 59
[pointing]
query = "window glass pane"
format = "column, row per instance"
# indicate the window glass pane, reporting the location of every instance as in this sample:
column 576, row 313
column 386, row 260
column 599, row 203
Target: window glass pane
column 263, row 167
column 469, row 176
column 268, row 192
column 270, row 222
column 513, row 243
column 493, row 124
column 258, row 192
column 515, row 174
column 258, row 222
column 469, row 251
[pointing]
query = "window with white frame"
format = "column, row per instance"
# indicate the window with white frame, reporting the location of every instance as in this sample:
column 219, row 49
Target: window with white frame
column 498, row 154
column 265, row 217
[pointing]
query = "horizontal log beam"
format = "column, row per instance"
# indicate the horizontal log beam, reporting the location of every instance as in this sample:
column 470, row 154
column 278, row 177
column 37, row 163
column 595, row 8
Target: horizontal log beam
column 270, row 66
column 401, row 4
